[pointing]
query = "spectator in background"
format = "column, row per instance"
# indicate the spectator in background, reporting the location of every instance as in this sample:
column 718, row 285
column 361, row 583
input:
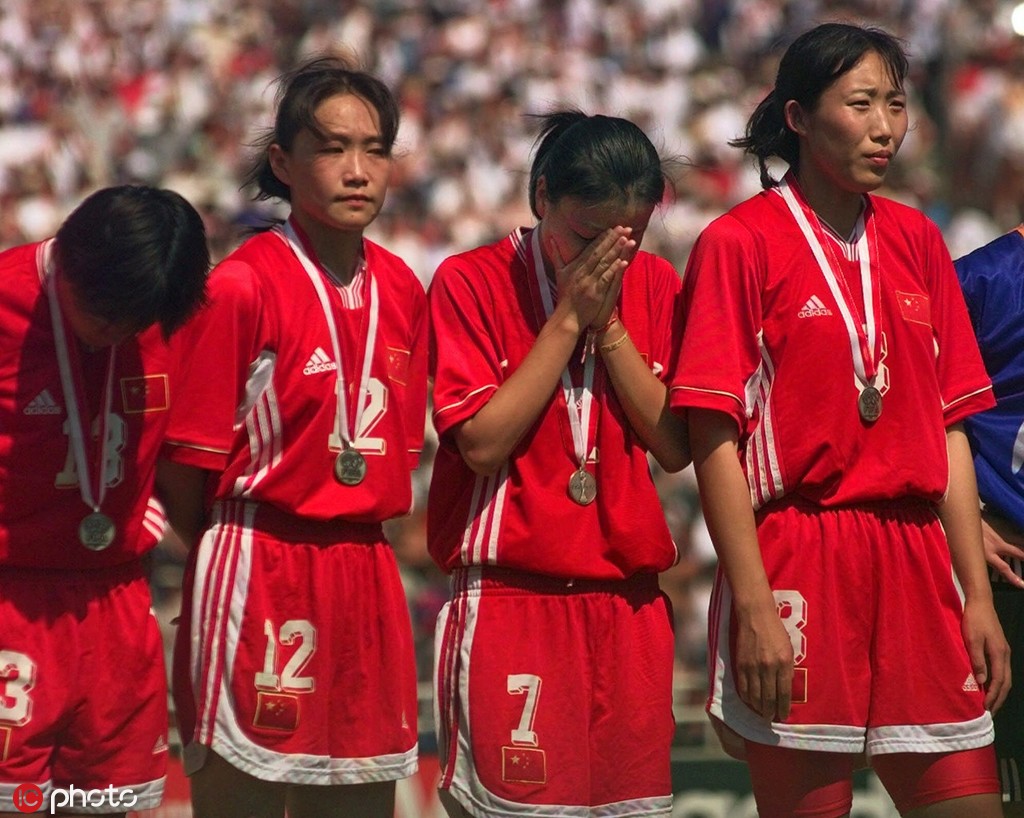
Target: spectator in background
column 86, row 377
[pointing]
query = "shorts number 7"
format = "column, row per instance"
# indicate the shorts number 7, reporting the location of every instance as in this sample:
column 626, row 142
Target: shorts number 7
column 518, row 684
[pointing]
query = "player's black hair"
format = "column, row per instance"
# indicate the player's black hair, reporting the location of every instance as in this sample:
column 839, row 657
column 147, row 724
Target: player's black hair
column 595, row 158
column 811, row 64
column 300, row 93
column 135, row 254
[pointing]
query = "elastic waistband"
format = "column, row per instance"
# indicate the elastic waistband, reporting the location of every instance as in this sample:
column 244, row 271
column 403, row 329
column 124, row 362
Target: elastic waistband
column 287, row 527
column 512, row 581
column 110, row 574
column 908, row 508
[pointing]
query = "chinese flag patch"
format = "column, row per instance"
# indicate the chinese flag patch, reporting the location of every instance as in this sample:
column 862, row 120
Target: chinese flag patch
column 398, row 365
column 276, row 711
column 915, row 307
column 525, row 765
column 145, row 394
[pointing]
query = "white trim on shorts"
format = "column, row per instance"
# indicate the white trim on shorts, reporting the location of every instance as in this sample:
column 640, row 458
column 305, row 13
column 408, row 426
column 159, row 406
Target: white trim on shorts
column 216, row 593
column 465, row 786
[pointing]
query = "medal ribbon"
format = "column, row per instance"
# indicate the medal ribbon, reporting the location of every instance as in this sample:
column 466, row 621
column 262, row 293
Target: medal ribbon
column 91, row 485
column 864, row 344
column 579, row 420
column 346, row 432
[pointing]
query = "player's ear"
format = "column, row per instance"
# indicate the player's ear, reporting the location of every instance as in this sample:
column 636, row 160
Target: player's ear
column 796, row 119
column 278, row 159
column 540, row 196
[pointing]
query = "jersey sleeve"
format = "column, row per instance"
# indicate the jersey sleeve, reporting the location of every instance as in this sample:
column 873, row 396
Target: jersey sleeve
column 465, row 359
column 720, row 303
column 964, row 384
column 666, row 320
column 217, row 348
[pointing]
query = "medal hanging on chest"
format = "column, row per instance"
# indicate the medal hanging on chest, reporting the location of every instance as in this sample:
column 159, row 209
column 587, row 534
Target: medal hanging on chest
column 350, row 465
column 582, row 485
column 865, row 340
column 96, row 530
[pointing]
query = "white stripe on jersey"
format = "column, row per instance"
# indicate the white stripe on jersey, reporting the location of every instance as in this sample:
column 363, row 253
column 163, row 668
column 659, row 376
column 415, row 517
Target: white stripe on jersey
column 483, row 522
column 352, row 293
column 763, row 474
column 263, row 427
column 498, row 514
column 519, row 244
column 155, row 518
column 846, row 246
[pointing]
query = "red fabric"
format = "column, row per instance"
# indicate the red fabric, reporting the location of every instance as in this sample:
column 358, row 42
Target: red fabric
column 755, row 350
column 82, row 676
column 294, row 657
column 869, row 602
column 486, row 313
column 580, row 717
column 40, row 504
column 281, row 452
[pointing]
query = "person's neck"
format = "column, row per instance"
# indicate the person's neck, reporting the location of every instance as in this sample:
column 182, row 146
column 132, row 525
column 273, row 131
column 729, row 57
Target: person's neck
column 339, row 253
column 837, row 208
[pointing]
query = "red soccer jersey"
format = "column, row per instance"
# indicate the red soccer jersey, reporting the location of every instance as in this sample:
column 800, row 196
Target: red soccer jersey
column 40, row 504
column 765, row 343
column 486, row 312
column 259, row 397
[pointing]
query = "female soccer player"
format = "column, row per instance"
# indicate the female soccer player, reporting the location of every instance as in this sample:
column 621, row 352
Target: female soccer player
column 827, row 364
column 86, row 378
column 295, row 679
column 551, row 350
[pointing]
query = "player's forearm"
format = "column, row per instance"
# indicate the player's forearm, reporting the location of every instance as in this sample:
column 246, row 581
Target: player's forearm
column 961, row 518
column 181, row 490
column 728, row 513
column 487, row 440
column 644, row 399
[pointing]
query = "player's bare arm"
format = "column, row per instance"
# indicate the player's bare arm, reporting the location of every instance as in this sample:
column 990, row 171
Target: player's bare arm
column 644, row 399
column 180, row 489
column 961, row 520
column 764, row 652
column 487, row 439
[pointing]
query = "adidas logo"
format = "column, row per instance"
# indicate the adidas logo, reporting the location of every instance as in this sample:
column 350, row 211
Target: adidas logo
column 814, row 307
column 971, row 685
column 319, row 362
column 43, row 404
column 161, row 745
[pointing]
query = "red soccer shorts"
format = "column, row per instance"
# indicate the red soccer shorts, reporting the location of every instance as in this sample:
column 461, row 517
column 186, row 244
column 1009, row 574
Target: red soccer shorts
column 83, row 690
column 555, row 695
column 868, row 598
column 294, row 658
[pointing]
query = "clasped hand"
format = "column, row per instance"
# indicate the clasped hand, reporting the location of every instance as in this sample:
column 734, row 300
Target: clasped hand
column 589, row 284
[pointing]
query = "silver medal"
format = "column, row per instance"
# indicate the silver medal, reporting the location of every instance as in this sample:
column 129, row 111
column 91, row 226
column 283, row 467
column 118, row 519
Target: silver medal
column 869, row 404
column 349, row 468
column 582, row 487
column 96, row 531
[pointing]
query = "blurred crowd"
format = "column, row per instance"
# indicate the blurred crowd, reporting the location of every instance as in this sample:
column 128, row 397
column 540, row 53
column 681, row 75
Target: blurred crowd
column 173, row 92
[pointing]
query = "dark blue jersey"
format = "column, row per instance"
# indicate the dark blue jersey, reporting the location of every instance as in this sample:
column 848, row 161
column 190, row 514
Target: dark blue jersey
column 992, row 278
